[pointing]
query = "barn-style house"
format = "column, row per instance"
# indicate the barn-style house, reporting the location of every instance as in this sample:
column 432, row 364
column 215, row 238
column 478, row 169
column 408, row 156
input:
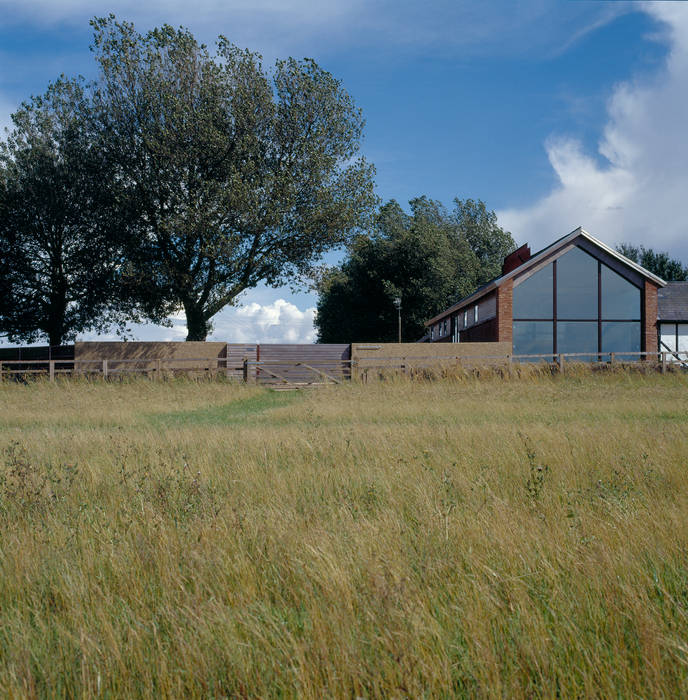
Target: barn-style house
column 578, row 295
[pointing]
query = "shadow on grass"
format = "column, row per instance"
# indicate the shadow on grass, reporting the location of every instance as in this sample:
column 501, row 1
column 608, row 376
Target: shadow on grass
column 241, row 411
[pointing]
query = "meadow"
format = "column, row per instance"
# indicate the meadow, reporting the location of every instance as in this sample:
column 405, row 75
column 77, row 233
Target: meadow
column 466, row 537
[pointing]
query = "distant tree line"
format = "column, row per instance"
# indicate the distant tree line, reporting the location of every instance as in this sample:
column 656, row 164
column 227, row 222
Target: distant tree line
column 669, row 269
column 428, row 259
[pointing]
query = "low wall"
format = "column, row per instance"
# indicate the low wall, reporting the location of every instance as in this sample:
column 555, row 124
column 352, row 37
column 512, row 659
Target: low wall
column 418, row 354
column 145, row 355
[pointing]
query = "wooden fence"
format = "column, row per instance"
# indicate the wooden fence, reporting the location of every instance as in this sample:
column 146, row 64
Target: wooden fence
column 302, row 372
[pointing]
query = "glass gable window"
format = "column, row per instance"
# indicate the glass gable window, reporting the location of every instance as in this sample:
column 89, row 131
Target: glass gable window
column 533, row 297
column 620, row 337
column 592, row 308
column 620, row 298
column 533, row 337
column 577, row 285
column 577, row 336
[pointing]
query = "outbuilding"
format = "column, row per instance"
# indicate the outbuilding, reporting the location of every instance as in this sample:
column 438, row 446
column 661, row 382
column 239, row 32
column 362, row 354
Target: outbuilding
column 578, row 295
column 673, row 318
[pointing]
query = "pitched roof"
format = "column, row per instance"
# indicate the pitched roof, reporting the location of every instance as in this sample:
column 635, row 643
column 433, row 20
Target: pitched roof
column 672, row 302
column 536, row 258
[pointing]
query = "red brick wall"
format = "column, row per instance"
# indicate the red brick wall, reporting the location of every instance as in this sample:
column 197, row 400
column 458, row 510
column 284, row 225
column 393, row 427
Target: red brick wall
column 505, row 324
column 482, row 333
column 649, row 332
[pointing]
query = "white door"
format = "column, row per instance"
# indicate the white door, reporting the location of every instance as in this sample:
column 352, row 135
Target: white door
column 683, row 340
column 667, row 336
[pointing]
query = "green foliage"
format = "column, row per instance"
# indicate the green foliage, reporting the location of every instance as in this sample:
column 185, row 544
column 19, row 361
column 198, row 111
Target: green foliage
column 669, row 269
column 431, row 258
column 234, row 175
column 60, row 249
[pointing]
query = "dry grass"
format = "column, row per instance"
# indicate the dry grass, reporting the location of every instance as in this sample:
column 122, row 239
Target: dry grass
column 523, row 538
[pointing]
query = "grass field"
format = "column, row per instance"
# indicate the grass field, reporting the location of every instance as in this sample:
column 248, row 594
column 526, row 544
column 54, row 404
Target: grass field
column 489, row 538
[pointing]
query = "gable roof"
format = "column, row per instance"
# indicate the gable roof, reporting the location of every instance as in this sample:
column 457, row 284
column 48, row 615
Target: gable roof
column 672, row 302
column 538, row 257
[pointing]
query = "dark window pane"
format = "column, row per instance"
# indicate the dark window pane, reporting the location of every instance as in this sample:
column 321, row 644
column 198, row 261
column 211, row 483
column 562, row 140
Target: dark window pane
column 620, row 338
column 533, row 297
column 620, row 298
column 533, row 337
column 576, row 285
column 577, row 336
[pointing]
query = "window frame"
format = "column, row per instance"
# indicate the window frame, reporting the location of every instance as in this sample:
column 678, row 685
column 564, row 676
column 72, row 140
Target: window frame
column 554, row 319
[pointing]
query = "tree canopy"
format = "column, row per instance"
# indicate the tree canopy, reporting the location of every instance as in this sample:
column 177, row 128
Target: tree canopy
column 430, row 258
column 661, row 264
column 236, row 175
column 60, row 254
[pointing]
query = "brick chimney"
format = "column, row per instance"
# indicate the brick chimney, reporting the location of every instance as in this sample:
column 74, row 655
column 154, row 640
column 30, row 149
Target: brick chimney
column 516, row 259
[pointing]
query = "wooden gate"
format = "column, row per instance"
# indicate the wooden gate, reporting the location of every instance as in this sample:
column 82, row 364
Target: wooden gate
column 300, row 365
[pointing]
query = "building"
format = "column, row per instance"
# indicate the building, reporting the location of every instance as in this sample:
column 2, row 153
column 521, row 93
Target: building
column 576, row 296
column 673, row 318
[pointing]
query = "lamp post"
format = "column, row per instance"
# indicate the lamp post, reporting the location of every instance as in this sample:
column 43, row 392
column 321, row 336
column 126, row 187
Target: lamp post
column 397, row 303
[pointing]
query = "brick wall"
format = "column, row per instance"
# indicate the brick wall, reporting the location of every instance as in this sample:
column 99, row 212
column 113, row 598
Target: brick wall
column 505, row 324
column 649, row 332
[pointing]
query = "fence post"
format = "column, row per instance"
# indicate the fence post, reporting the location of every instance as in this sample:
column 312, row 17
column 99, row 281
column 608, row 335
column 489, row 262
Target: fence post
column 105, row 369
column 561, row 362
column 51, row 370
column 663, row 362
column 0, row 371
column 246, row 370
column 611, row 358
column 158, row 369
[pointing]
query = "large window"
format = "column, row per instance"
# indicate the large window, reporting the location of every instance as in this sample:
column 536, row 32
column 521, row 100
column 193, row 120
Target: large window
column 532, row 337
column 533, row 297
column 577, row 285
column 620, row 299
column 576, row 304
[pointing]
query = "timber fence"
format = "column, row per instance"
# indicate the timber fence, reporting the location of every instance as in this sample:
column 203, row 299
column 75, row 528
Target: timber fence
column 311, row 372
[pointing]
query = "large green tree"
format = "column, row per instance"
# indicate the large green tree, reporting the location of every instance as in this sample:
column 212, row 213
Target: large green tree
column 429, row 258
column 661, row 264
column 60, row 252
column 237, row 175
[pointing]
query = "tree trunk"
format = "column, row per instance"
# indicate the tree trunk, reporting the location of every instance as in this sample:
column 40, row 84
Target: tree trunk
column 56, row 313
column 197, row 326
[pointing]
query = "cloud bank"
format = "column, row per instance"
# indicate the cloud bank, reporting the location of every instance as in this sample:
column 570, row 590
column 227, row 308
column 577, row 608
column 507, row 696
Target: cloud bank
column 279, row 321
column 635, row 187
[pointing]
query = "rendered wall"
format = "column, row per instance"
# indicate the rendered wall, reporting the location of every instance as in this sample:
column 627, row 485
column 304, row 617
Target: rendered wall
column 380, row 354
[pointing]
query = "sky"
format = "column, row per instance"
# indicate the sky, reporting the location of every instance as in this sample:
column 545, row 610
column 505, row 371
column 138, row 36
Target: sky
column 556, row 113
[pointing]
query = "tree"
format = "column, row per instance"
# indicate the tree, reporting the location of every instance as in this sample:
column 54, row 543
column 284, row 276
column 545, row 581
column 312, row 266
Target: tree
column 660, row 264
column 238, row 176
column 430, row 258
column 60, row 258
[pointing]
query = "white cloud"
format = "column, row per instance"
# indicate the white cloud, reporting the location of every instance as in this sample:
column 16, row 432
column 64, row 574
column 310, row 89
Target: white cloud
column 277, row 322
column 634, row 187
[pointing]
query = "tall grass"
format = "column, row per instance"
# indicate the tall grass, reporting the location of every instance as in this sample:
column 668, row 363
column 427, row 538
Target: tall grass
column 490, row 538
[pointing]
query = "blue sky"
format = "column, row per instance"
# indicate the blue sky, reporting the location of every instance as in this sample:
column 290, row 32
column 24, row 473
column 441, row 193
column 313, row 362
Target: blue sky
column 555, row 113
